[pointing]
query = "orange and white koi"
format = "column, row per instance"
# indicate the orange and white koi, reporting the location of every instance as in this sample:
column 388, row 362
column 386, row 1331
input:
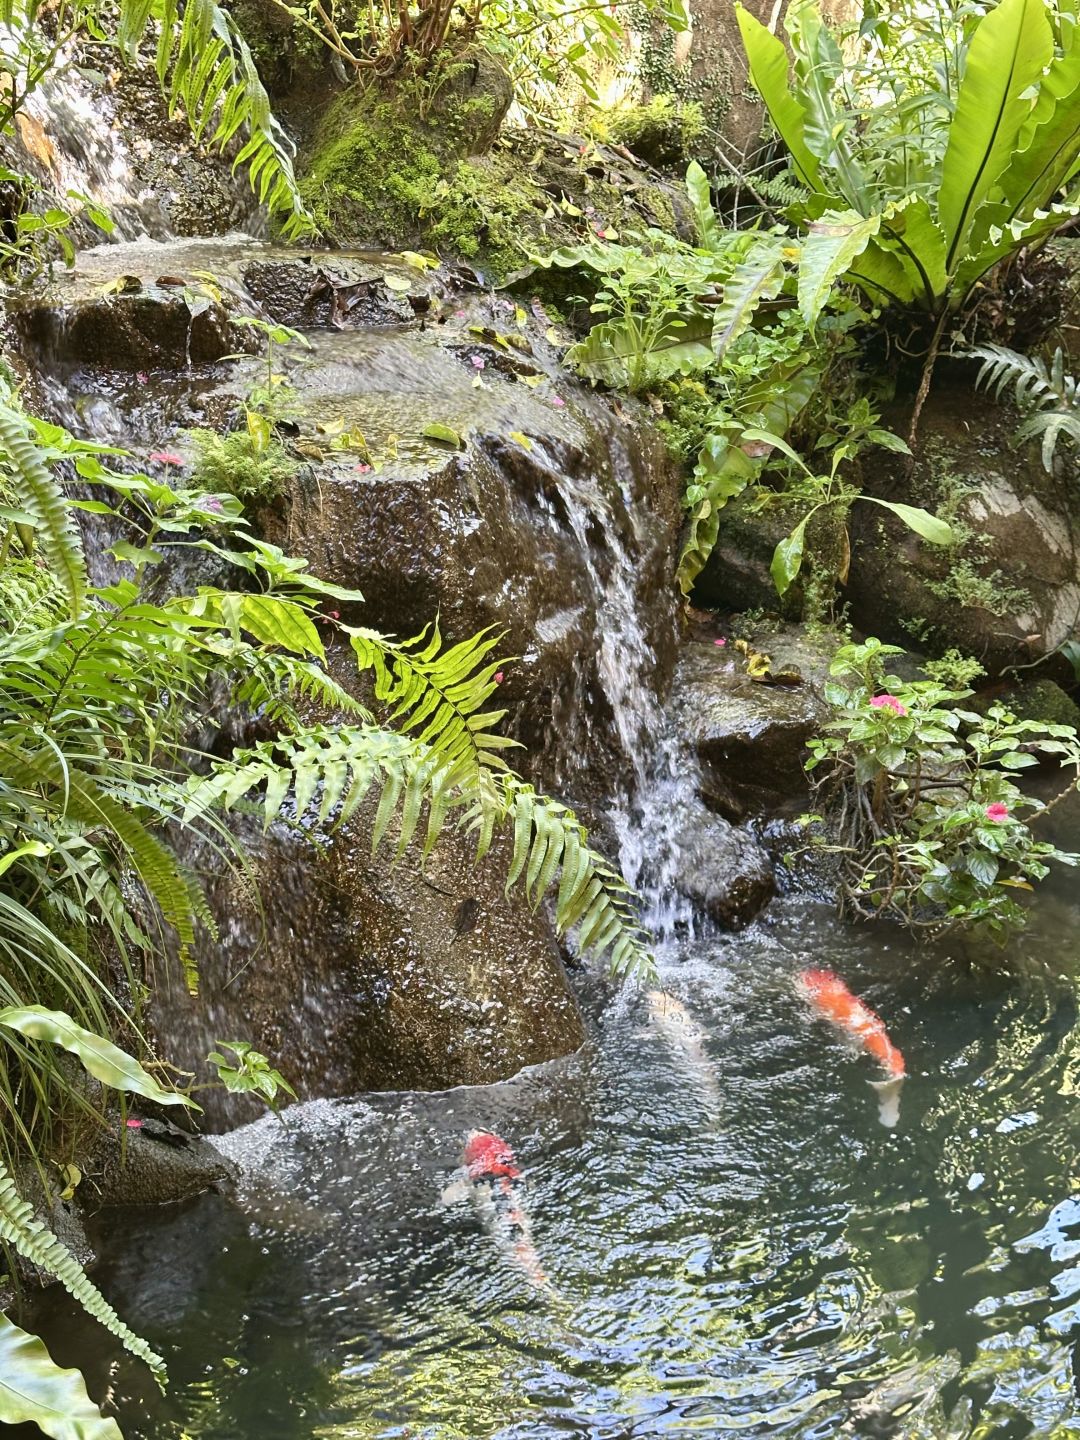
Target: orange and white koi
column 670, row 1018
column 490, row 1177
column 834, row 1002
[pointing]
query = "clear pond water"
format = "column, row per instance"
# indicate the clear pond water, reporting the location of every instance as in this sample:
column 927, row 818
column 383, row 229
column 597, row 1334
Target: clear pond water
column 782, row 1267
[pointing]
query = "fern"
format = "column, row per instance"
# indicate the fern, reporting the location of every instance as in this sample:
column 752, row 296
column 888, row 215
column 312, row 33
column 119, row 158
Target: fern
column 205, row 67
column 1047, row 396
column 39, row 493
column 20, row 1227
column 340, row 768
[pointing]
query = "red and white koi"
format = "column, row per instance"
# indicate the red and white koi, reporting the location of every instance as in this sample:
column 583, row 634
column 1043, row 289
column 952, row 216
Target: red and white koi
column 833, row 1001
column 489, row 1176
column 670, row 1019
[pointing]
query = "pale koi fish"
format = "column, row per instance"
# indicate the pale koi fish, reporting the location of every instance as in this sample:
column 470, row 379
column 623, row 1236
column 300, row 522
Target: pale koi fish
column 670, row 1018
column 490, row 1178
column 832, row 1000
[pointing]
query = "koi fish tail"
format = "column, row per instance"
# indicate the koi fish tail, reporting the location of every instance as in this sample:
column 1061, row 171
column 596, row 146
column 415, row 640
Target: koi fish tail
column 888, row 1093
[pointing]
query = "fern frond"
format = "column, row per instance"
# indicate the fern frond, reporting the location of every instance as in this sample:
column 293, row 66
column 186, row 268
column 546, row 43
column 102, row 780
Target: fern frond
column 206, row 68
column 1047, row 395
column 39, row 492
column 271, row 681
column 437, row 695
column 20, row 1227
column 548, row 842
column 340, row 768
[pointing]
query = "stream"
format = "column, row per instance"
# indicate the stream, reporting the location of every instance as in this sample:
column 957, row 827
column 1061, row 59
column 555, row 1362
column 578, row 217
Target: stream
column 784, row 1266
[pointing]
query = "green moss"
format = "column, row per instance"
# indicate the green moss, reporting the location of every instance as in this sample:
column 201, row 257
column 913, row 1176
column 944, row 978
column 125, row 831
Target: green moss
column 1046, row 701
column 666, row 131
column 388, row 171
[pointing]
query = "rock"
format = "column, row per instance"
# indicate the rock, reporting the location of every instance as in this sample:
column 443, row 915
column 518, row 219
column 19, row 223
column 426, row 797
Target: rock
column 141, row 1167
column 360, row 975
column 723, row 871
column 556, row 524
column 376, row 174
column 1009, row 592
column 751, row 738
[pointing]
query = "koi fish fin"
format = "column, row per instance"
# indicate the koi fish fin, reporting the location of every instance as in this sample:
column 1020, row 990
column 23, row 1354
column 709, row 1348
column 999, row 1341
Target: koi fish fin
column 888, row 1093
column 457, row 1190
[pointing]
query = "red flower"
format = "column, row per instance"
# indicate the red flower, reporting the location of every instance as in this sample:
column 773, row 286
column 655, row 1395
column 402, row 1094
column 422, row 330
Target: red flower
column 997, row 811
column 166, row 457
column 499, row 677
column 720, row 642
column 133, row 1124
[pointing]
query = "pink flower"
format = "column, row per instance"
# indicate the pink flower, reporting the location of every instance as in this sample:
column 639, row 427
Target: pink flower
column 213, row 504
column 499, row 677
column 478, row 362
column 997, row 811
column 143, row 378
column 363, row 469
column 558, row 401
column 333, row 614
column 601, row 232
column 132, row 1123
column 888, row 702
column 166, row 457
column 459, row 314
column 720, row 642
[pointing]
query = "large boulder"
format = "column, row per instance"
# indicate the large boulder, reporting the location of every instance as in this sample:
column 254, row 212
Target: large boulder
column 1009, row 591
column 351, row 973
column 723, row 870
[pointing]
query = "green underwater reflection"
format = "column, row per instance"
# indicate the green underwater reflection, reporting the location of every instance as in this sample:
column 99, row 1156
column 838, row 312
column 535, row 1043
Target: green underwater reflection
column 785, row 1268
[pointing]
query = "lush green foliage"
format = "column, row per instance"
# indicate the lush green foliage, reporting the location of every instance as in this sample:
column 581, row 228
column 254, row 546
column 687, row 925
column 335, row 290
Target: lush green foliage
column 1048, row 396
column 756, row 314
column 919, row 801
column 251, row 464
column 935, row 164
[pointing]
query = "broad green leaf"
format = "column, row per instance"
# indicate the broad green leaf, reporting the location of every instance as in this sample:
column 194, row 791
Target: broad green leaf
column 274, row 621
column 35, row 1390
column 818, row 65
column 787, row 558
column 34, row 848
column 1011, row 47
column 758, row 278
column 909, row 230
column 930, row 527
column 700, row 193
column 768, row 62
column 100, row 1057
column 834, row 241
column 258, row 428
column 614, row 354
column 444, row 433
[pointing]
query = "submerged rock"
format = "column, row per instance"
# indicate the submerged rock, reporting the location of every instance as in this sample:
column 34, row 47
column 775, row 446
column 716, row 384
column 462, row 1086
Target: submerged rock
column 724, row 871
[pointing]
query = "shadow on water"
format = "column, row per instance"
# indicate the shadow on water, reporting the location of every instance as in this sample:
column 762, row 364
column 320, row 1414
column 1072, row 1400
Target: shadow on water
column 785, row 1267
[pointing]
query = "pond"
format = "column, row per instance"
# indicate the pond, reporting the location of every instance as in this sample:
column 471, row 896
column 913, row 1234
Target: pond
column 742, row 1249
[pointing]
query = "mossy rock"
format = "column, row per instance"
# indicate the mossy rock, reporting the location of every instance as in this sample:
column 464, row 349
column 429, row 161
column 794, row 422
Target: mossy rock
column 377, row 173
column 665, row 132
column 1045, row 701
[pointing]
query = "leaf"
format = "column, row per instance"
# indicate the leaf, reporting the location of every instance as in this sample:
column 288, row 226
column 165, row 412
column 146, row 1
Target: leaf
column 35, row 1390
column 258, row 428
column 758, row 278
column 834, row 242
column 787, row 558
column 137, row 555
column 769, row 72
column 400, row 283
column 982, row 867
column 1011, row 47
column 930, row 527
column 522, row 439
column 700, row 192
column 446, row 434
column 100, row 1057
